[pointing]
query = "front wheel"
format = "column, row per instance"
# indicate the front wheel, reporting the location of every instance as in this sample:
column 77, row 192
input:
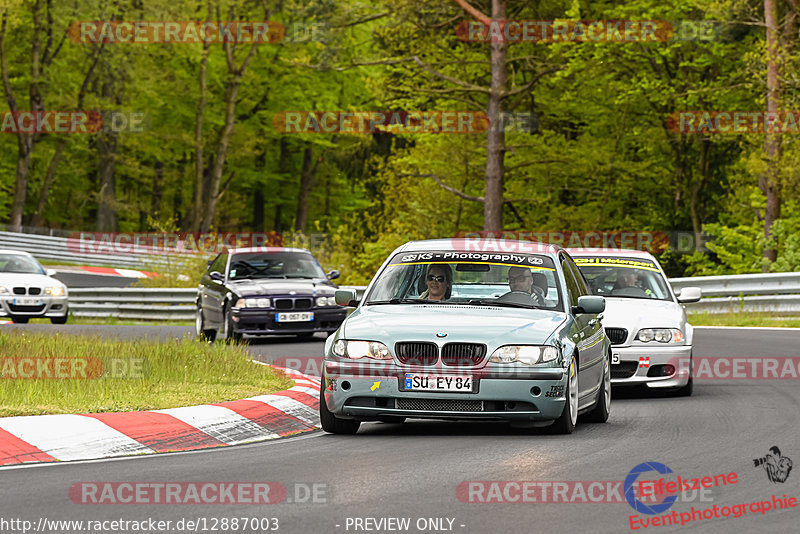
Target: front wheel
column 200, row 331
column 686, row 390
column 599, row 413
column 60, row 320
column 229, row 333
column 19, row 320
column 331, row 423
column 565, row 424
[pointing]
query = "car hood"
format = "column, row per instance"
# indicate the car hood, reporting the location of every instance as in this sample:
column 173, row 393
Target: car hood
column 642, row 313
column 25, row 279
column 315, row 288
column 474, row 324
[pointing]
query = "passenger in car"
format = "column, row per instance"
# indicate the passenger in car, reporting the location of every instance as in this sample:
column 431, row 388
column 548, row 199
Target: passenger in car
column 439, row 279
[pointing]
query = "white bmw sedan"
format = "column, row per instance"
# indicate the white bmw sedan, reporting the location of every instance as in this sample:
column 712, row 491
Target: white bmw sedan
column 28, row 291
column 651, row 339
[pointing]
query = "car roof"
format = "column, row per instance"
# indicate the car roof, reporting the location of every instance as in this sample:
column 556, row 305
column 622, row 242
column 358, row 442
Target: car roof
column 251, row 250
column 18, row 252
column 620, row 252
column 480, row 244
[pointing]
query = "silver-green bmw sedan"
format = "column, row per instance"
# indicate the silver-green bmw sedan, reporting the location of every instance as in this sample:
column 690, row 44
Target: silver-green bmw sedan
column 469, row 330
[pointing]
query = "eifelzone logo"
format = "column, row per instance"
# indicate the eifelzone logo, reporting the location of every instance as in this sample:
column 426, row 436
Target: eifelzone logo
column 777, row 467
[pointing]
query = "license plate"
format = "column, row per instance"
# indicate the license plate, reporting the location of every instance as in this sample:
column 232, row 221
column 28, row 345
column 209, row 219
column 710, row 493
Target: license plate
column 614, row 358
column 458, row 384
column 27, row 302
column 294, row 317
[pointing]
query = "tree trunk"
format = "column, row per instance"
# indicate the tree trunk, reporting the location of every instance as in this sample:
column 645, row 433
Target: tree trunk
column 44, row 192
column 107, row 218
column 231, row 92
column 155, row 198
column 199, row 168
column 495, row 144
column 258, row 209
column 769, row 181
column 308, row 175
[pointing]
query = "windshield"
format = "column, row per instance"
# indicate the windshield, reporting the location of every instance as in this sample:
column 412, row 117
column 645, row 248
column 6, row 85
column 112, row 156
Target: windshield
column 17, row 263
column 624, row 277
column 274, row 265
column 469, row 278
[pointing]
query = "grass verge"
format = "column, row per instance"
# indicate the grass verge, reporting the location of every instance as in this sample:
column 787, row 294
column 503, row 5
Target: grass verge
column 86, row 374
column 743, row 319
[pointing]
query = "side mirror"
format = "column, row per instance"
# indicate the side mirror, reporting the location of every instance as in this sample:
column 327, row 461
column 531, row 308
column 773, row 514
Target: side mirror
column 333, row 275
column 216, row 276
column 345, row 297
column 589, row 304
column 51, row 272
column 690, row 294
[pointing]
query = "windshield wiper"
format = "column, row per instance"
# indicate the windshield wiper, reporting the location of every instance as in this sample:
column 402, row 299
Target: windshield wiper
column 402, row 301
column 486, row 302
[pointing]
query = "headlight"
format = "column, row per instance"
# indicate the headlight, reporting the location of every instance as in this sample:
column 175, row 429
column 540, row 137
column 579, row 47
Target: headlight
column 662, row 335
column 362, row 349
column 55, row 291
column 527, row 354
column 326, row 301
column 3, row 289
column 253, row 303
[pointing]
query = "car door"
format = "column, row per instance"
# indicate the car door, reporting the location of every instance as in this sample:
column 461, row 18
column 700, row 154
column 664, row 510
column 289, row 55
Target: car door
column 590, row 337
column 212, row 293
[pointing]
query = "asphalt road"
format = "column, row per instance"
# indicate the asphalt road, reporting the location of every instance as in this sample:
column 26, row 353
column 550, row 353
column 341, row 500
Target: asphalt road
column 413, row 470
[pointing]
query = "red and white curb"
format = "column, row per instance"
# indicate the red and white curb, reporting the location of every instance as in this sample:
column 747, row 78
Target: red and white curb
column 128, row 273
column 67, row 437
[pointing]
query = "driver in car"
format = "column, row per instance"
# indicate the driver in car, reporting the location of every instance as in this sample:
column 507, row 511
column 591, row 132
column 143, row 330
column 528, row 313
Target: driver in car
column 520, row 281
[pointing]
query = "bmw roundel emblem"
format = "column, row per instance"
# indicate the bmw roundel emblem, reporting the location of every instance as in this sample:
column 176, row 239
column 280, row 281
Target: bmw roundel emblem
column 441, row 334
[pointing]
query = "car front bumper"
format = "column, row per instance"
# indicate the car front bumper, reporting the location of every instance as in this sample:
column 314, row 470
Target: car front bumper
column 646, row 365
column 262, row 322
column 47, row 307
column 353, row 393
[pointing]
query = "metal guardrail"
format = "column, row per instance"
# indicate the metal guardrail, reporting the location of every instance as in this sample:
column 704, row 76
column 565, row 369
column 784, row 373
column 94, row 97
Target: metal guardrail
column 140, row 304
column 742, row 284
column 68, row 250
column 144, row 304
column 177, row 304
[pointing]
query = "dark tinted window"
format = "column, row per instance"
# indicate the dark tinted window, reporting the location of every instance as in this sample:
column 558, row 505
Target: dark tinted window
column 274, row 265
column 219, row 264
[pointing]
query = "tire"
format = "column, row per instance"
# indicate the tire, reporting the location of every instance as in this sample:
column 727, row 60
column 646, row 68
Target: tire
column 202, row 333
column 60, row 320
column 686, row 390
column 565, row 424
column 331, row 423
column 228, row 334
column 19, row 320
column 599, row 413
